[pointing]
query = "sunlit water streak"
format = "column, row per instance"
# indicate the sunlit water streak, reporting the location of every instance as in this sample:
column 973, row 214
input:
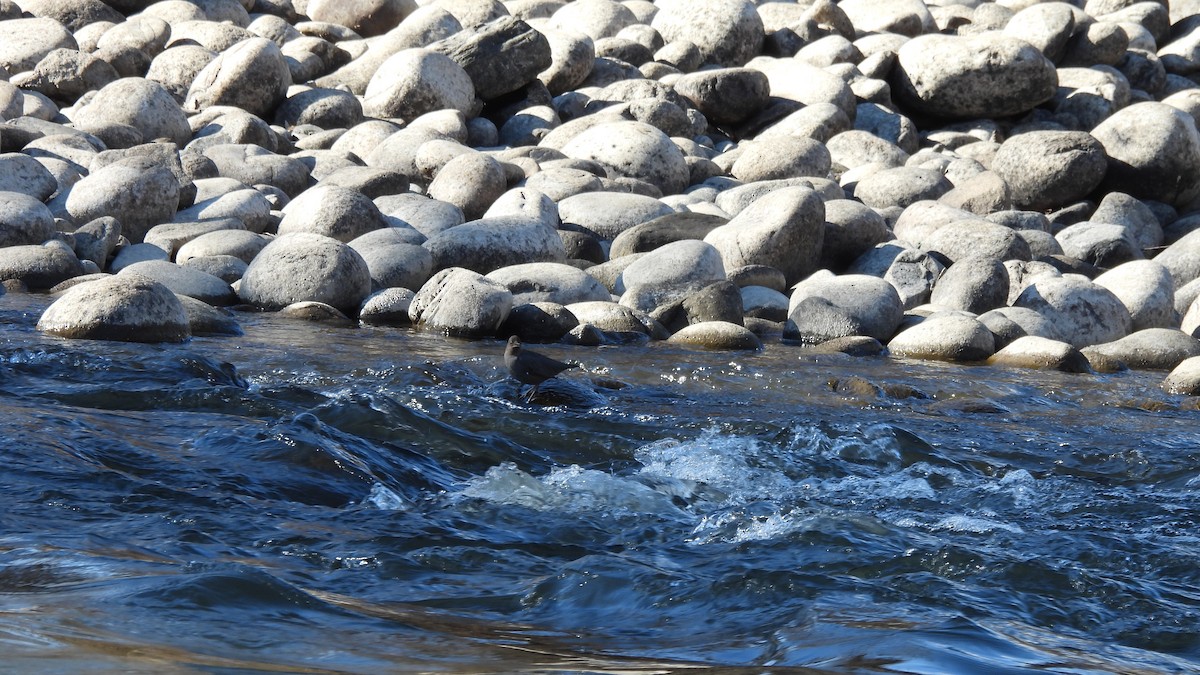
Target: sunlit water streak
column 313, row 499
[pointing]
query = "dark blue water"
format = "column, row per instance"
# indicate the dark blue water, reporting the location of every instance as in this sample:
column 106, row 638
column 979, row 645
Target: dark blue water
column 325, row 500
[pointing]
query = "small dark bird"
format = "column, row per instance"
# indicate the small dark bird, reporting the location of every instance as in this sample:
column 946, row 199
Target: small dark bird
column 531, row 367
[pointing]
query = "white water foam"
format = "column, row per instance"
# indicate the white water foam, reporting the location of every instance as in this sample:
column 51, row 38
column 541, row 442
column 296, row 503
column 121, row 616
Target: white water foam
column 384, row 499
column 739, row 488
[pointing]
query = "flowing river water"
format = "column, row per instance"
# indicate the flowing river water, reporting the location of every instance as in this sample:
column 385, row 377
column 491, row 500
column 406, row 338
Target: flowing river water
column 315, row 499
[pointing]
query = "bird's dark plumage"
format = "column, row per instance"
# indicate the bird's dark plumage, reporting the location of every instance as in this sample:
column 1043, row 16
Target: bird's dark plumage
column 531, row 367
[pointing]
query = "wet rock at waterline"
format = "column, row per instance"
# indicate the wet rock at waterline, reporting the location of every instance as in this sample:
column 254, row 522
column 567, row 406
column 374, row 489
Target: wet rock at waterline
column 306, row 266
column 129, row 308
column 460, row 302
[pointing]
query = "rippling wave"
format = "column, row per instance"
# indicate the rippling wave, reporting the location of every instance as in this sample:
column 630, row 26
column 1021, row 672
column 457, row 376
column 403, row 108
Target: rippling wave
column 307, row 499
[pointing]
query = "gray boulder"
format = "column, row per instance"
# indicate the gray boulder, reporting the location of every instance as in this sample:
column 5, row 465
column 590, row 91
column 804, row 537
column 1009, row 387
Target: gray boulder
column 725, row 95
column 254, row 165
column 945, row 336
column 471, row 181
column 97, row 239
column 140, row 103
column 538, row 322
column 1048, row 26
column 249, row 206
column 726, row 32
column 252, row 75
column 1149, row 349
column 784, row 229
column 549, row 282
column 825, row 307
column 25, row 220
column 135, row 253
column 205, row 319
column 973, row 285
column 1146, row 289
column 1009, row 323
column 332, row 211
column 415, row 81
column 185, row 281
column 397, row 265
column 717, row 335
column 29, row 40
column 572, row 55
column 123, row 308
column 227, row 268
column 491, row 243
column 1143, row 227
column 1153, row 153
column 783, row 157
column 324, row 108
column 607, row 316
column 903, row 17
column 912, row 272
column 901, row 186
column 1083, row 312
column 986, row 75
column 1050, row 169
column 1039, row 353
column 764, row 303
column 634, row 150
column 24, row 174
column 1100, row 244
column 306, row 266
column 39, row 267
column 460, row 302
column 1182, row 259
column 851, row 229
column 425, row 215
column 500, row 56
column 1184, row 379
column 367, row 18
column 140, row 191
column 853, row 148
column 387, row 307
column 673, row 264
column 608, row 214
column 176, row 68
column 171, row 236
column 675, row 226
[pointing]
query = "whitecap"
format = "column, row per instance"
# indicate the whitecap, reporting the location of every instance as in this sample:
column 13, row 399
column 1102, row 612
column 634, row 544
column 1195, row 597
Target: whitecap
column 384, row 498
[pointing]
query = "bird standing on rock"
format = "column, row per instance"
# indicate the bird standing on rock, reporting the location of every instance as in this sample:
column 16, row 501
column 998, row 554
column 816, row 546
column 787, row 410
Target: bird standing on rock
column 531, row 367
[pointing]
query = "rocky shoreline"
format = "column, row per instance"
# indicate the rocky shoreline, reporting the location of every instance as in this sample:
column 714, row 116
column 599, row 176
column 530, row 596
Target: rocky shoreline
column 1013, row 182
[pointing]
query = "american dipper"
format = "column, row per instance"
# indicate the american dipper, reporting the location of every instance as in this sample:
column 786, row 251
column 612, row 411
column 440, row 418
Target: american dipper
column 531, row 367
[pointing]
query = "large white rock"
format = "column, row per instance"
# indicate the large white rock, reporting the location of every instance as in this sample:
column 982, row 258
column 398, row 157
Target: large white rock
column 140, row 192
column 727, row 32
